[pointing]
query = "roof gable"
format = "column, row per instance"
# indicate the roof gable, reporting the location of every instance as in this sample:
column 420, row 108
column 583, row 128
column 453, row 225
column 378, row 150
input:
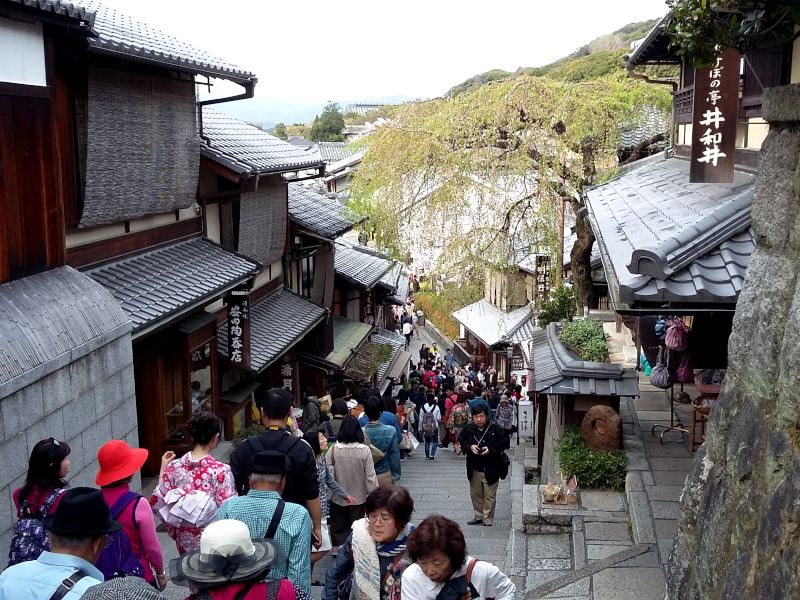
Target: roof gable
column 493, row 325
column 318, row 213
column 121, row 35
column 247, row 149
column 663, row 239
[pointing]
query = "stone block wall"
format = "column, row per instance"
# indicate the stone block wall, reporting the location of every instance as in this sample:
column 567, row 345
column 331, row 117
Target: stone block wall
column 738, row 528
column 85, row 403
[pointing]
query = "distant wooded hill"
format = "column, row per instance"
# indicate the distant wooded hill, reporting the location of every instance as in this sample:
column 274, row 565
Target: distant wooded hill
column 597, row 58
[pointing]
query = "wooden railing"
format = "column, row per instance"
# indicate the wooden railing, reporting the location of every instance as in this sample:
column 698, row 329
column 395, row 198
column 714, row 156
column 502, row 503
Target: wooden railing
column 683, row 101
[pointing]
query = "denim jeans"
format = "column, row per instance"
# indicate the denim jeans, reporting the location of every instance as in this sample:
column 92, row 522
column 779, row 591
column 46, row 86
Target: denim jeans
column 431, row 444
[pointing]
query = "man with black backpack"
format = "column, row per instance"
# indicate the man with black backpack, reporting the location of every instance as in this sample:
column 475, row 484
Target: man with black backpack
column 302, row 486
column 77, row 531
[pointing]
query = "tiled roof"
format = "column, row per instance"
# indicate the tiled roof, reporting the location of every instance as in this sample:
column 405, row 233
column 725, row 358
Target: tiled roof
column 343, row 167
column 62, row 8
column 277, row 323
column 348, row 336
column 654, row 47
column 396, row 281
column 558, row 371
column 386, row 337
column 492, row 325
column 122, row 36
column 359, row 265
column 247, row 149
column 320, row 214
column 334, row 151
column 50, row 315
column 663, row 239
column 172, row 280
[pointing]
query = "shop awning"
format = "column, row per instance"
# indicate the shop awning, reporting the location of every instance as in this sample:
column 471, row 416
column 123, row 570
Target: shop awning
column 348, row 336
column 398, row 367
column 277, row 323
column 158, row 287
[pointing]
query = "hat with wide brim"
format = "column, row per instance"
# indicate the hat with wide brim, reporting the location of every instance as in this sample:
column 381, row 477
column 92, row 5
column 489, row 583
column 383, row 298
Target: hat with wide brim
column 228, row 558
column 81, row 512
column 118, row 461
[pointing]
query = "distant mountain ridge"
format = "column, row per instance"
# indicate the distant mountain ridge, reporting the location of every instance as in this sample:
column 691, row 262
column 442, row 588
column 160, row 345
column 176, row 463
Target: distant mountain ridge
column 599, row 57
column 269, row 111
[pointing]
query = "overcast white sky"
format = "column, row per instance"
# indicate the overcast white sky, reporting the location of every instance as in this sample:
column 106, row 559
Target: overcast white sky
column 310, row 51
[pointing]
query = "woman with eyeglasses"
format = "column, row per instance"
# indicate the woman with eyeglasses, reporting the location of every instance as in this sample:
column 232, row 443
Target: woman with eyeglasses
column 370, row 564
column 39, row 495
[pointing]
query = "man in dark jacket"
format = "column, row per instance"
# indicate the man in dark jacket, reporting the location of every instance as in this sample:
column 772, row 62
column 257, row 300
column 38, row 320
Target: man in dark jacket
column 302, row 485
column 483, row 443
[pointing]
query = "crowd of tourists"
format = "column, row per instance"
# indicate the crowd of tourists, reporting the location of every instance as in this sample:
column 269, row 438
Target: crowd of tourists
column 256, row 527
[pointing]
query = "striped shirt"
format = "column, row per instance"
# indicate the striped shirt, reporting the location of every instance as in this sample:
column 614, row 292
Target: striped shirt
column 294, row 531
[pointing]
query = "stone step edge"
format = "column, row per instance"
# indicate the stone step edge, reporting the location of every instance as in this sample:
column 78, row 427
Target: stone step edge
column 641, row 513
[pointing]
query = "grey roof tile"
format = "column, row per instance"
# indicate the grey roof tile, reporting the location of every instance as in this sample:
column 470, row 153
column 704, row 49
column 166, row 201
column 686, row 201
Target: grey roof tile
column 62, row 8
column 320, row 214
column 196, row 271
column 277, row 323
column 121, row 35
column 247, row 149
column 48, row 315
column 557, row 370
column 334, row 151
column 397, row 342
column 666, row 240
column 396, row 281
column 359, row 265
column 491, row 324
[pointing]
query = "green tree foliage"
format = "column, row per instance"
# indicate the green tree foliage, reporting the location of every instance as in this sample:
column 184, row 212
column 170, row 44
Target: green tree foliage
column 328, row 126
column 592, row 468
column 482, row 173
column 383, row 112
column 560, row 307
column 702, row 29
column 586, row 338
column 298, row 130
column 279, row 131
column 595, row 65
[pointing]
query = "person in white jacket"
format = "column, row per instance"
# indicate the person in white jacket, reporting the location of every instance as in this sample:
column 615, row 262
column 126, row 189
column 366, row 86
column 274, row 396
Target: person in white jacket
column 441, row 566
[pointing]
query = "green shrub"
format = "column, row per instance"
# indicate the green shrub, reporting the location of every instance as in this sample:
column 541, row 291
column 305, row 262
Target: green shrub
column 246, row 432
column 586, row 338
column 560, row 307
column 592, row 468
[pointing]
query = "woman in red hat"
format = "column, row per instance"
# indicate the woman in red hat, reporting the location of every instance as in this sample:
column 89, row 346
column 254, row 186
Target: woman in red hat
column 118, row 464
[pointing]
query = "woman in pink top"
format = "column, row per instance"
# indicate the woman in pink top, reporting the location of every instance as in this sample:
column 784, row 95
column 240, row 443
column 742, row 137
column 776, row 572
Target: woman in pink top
column 118, row 464
column 195, row 480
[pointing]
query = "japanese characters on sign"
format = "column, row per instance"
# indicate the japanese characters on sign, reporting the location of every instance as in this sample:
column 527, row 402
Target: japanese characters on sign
column 542, row 279
column 368, row 308
column 238, row 302
column 716, row 102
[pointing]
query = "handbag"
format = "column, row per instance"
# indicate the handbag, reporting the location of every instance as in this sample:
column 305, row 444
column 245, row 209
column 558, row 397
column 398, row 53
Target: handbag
column 377, row 453
column 676, row 338
column 406, row 443
column 660, row 376
column 685, row 372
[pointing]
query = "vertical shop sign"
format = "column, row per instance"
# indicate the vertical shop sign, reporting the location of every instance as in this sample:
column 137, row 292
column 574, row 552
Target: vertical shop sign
column 716, row 106
column 368, row 307
column 542, row 279
column 238, row 302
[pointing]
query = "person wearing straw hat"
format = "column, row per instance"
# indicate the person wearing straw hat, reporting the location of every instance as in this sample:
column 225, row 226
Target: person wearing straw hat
column 118, row 464
column 229, row 564
column 77, row 530
column 267, row 515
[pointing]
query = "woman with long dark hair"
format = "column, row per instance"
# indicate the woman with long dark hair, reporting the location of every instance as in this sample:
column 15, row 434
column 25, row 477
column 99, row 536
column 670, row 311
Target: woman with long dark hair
column 39, row 495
